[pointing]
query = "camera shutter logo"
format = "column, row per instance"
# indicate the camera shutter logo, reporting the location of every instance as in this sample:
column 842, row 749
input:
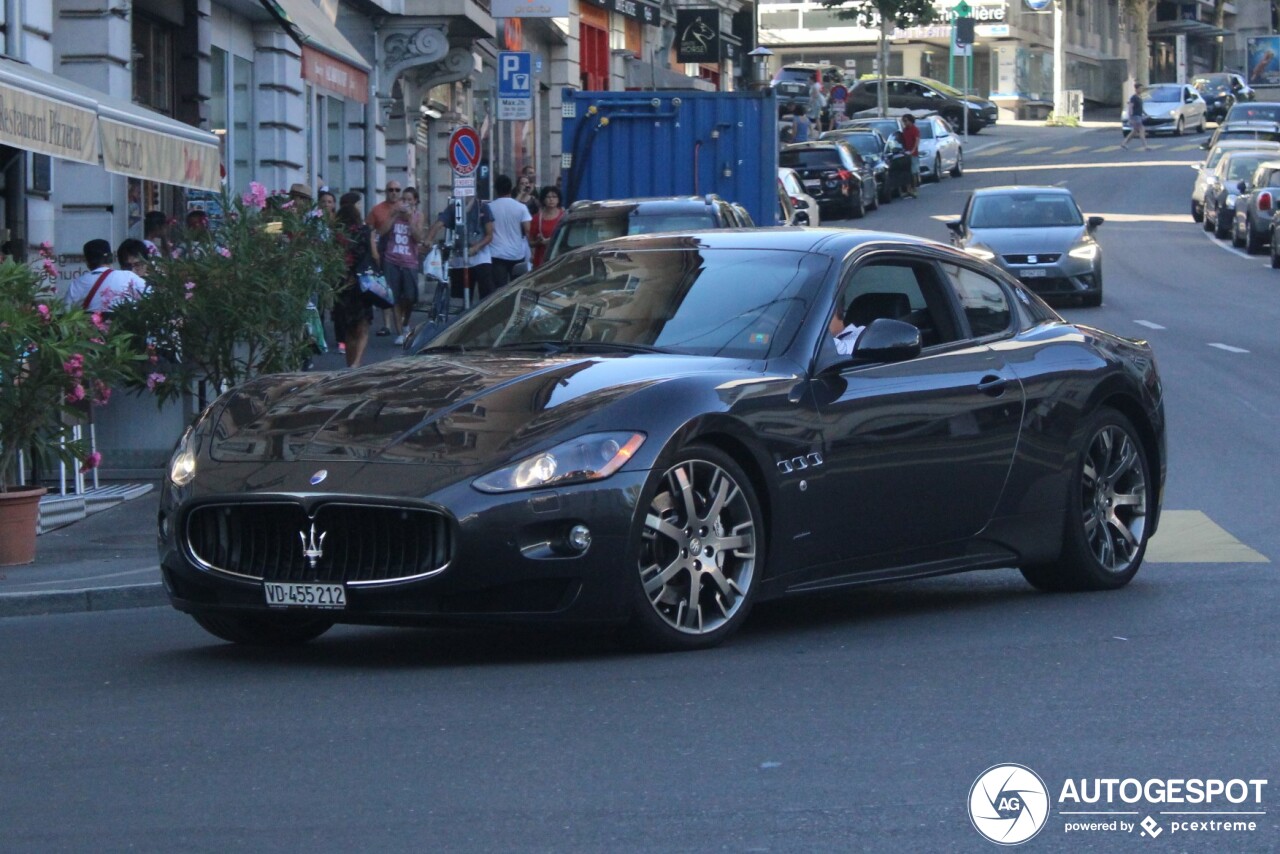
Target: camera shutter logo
column 1008, row 804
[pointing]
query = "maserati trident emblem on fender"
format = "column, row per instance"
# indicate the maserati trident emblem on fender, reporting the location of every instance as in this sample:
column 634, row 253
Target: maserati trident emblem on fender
column 312, row 549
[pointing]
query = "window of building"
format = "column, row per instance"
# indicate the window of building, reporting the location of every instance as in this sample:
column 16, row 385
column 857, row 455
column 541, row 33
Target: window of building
column 335, row 155
column 593, row 45
column 153, row 64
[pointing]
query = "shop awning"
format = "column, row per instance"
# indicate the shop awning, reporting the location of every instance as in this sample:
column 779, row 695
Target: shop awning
column 48, row 114
column 328, row 59
column 1198, row 29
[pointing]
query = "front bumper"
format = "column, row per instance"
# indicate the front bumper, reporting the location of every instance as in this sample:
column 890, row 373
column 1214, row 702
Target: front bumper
column 509, row 560
column 1065, row 277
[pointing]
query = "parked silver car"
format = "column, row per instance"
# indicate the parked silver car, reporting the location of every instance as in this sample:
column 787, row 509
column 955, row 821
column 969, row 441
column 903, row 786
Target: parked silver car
column 1039, row 235
column 941, row 149
column 1174, row 107
column 1205, row 171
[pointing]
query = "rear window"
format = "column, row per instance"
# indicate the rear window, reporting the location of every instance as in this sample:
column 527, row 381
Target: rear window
column 1214, row 84
column 1242, row 166
column 589, row 230
column 812, row 158
column 1245, row 133
column 1266, row 177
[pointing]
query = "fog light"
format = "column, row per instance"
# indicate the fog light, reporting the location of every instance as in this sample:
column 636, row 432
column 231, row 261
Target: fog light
column 580, row 538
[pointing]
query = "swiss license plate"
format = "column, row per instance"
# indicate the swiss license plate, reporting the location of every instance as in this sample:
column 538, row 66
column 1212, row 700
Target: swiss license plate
column 1032, row 274
column 287, row 595
column 813, row 185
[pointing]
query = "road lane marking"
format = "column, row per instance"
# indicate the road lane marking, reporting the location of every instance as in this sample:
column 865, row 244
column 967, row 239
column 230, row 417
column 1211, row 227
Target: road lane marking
column 1148, row 324
column 1073, row 149
column 1107, row 149
column 985, row 151
column 1192, row 147
column 1229, row 348
column 1189, row 536
column 1039, row 149
column 1227, row 247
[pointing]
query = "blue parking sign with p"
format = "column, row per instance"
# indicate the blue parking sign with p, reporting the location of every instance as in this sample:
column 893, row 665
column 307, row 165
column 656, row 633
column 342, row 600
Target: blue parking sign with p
column 515, row 84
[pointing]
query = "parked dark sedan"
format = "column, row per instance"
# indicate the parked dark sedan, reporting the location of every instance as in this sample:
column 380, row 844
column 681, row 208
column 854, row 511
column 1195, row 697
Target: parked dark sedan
column 842, row 181
column 659, row 431
column 875, row 149
column 923, row 93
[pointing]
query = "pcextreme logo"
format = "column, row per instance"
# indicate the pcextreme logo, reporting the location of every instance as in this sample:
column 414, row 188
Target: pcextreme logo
column 1009, row 804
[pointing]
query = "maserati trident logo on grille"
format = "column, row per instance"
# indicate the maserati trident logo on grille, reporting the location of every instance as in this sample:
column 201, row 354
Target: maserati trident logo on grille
column 318, row 477
column 312, row 548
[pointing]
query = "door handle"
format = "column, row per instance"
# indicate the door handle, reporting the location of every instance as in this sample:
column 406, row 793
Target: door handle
column 992, row 385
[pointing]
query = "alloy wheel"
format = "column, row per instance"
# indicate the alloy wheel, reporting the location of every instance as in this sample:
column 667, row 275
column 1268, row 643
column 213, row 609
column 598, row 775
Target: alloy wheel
column 698, row 552
column 1114, row 492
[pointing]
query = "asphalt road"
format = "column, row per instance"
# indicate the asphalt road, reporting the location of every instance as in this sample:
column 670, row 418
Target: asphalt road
column 854, row 722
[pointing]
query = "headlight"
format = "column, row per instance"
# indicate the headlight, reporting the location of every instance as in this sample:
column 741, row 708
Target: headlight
column 1087, row 252
column 591, row 457
column 976, row 252
column 182, row 465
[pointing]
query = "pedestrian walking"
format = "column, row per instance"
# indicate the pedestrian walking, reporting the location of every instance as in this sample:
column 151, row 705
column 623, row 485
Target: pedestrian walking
column 801, row 124
column 544, row 223
column 511, row 218
column 1137, row 119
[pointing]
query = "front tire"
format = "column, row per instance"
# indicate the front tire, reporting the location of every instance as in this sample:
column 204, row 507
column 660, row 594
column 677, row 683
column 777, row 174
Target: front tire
column 958, row 170
column 1177, row 129
column 1221, row 228
column 1105, row 530
column 1197, row 213
column 1094, row 299
column 263, row 630
column 1275, row 259
column 699, row 551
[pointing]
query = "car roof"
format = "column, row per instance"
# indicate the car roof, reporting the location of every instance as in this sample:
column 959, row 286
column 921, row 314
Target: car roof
column 648, row 204
column 829, row 241
column 811, row 144
column 1021, row 188
column 1245, row 144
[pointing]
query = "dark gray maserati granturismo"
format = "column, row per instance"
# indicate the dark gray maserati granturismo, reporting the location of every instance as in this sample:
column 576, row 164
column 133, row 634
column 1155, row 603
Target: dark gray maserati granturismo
column 659, row 431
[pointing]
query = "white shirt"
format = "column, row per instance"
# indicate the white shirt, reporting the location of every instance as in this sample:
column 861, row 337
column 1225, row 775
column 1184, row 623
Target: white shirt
column 509, row 241
column 846, row 340
column 119, row 285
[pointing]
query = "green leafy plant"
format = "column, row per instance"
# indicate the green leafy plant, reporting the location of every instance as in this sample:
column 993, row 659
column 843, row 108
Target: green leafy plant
column 54, row 362
column 1055, row 120
column 231, row 302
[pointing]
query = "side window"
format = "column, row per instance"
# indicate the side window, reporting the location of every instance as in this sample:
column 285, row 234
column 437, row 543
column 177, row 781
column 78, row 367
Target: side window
column 984, row 302
column 898, row 290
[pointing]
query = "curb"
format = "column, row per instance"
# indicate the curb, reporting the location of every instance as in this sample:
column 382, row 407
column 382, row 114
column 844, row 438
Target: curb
column 78, row 601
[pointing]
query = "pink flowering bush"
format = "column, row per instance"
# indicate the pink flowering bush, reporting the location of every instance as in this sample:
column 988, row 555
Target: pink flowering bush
column 231, row 303
column 53, row 362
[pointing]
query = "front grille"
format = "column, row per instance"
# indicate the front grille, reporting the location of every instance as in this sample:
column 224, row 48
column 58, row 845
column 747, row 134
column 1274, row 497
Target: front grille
column 362, row 542
column 1047, row 258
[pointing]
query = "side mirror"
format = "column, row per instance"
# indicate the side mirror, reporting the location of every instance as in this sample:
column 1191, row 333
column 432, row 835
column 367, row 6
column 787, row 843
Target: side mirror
column 1095, row 221
column 888, row 340
column 1205, row 145
column 956, row 226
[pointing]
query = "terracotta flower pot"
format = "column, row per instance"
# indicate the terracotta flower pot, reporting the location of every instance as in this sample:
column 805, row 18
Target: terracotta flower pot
column 19, row 513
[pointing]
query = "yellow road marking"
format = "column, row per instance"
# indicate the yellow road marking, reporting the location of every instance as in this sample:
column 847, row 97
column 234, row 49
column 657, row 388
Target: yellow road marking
column 1107, row 148
column 1192, row 147
column 1117, row 164
column 1039, row 149
column 1189, row 536
column 1073, row 149
column 984, row 152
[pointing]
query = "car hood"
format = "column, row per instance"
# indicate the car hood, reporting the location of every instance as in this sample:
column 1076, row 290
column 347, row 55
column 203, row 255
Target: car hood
column 466, row 408
column 1024, row 241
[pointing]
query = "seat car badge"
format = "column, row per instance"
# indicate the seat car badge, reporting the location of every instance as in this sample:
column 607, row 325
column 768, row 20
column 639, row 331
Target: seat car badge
column 312, row 549
column 318, row 477
column 1031, row 259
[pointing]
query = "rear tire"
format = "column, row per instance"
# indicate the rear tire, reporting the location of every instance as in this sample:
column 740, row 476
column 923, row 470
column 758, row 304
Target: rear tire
column 1252, row 242
column 1105, row 529
column 1221, row 228
column 857, row 209
column 958, row 170
column 263, row 630
column 1275, row 259
column 1197, row 212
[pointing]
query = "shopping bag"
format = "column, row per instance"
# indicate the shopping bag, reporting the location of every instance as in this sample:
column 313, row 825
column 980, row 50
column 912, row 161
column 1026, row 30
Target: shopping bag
column 375, row 285
column 433, row 265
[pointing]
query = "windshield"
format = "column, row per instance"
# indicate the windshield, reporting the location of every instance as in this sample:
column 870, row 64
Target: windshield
column 1249, row 133
column 865, row 143
column 588, row 230
column 1241, row 166
column 740, row 303
column 1024, row 210
column 945, row 89
column 885, row 126
column 1163, row 94
column 1249, row 112
column 1214, row 84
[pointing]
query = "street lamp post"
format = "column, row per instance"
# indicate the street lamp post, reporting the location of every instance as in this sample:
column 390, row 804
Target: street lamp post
column 1059, row 62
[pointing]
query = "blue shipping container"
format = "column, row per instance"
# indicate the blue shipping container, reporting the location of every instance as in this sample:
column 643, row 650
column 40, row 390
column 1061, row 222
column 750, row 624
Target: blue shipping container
column 621, row 145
